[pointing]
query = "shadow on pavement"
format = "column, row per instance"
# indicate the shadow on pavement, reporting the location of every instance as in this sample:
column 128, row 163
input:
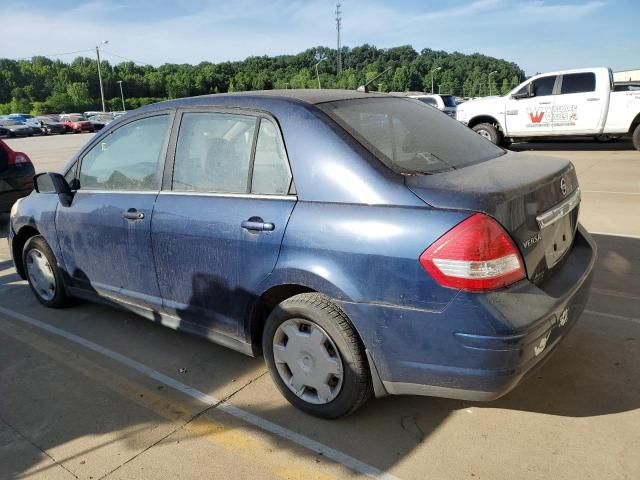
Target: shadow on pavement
column 577, row 145
column 593, row 372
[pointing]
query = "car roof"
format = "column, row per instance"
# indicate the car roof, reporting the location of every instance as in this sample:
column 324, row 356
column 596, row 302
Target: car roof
column 305, row 96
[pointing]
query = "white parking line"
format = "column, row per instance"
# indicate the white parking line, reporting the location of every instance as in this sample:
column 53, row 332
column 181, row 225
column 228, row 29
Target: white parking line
column 610, row 193
column 266, row 425
column 612, row 316
column 610, row 234
column 613, row 293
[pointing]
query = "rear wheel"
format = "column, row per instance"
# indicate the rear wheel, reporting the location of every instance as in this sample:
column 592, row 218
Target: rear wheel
column 636, row 137
column 315, row 356
column 43, row 274
column 489, row 132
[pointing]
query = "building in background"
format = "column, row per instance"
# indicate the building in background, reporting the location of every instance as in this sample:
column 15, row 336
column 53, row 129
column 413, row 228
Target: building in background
column 627, row 76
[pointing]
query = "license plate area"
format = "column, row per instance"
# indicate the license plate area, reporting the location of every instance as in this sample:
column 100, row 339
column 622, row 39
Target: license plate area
column 558, row 228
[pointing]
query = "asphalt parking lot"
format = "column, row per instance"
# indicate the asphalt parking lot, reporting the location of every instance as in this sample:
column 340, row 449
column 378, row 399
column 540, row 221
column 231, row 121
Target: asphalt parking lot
column 92, row 392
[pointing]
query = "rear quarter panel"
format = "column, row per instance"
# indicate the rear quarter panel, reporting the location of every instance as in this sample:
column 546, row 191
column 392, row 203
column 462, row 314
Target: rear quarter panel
column 364, row 254
column 623, row 109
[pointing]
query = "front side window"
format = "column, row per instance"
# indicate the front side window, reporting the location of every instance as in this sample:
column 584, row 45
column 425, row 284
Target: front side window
column 129, row 158
column 409, row 136
column 578, row 83
column 270, row 169
column 213, row 153
column 544, row 86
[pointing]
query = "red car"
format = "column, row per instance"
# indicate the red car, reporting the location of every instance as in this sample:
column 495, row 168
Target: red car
column 16, row 176
column 77, row 123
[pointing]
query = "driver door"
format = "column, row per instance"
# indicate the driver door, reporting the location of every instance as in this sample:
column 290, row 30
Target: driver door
column 105, row 235
column 532, row 116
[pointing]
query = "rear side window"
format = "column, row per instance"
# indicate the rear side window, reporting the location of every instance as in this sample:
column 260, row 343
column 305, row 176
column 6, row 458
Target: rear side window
column 127, row 159
column 449, row 100
column 410, row 137
column 578, row 83
column 213, row 153
column 270, row 168
column 429, row 101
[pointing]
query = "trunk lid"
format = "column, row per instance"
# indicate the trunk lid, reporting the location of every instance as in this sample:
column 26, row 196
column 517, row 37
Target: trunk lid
column 536, row 199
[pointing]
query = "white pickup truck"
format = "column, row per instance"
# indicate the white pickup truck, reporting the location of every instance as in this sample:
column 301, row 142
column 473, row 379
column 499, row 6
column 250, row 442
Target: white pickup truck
column 581, row 102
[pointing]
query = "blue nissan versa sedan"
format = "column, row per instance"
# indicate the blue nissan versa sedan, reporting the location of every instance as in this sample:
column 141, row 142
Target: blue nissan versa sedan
column 363, row 243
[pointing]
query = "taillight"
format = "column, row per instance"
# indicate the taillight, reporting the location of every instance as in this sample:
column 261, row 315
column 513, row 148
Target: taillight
column 18, row 158
column 476, row 255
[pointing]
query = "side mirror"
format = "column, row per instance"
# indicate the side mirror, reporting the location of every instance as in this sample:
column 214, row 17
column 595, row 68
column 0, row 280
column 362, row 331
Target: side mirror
column 54, row 183
column 528, row 94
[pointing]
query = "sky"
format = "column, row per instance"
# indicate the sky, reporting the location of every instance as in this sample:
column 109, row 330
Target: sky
column 539, row 35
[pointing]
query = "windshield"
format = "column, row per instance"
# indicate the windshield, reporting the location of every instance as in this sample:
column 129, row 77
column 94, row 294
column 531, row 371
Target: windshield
column 75, row 118
column 9, row 123
column 449, row 100
column 409, row 136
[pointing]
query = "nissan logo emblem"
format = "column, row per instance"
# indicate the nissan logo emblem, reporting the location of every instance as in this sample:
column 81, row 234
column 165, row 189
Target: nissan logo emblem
column 563, row 186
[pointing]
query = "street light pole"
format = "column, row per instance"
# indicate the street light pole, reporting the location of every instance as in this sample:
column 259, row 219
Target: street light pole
column 432, row 71
column 317, row 74
column 100, row 73
column 492, row 73
column 124, row 109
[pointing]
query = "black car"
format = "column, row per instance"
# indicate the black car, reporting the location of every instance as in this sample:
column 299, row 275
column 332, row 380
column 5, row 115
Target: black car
column 49, row 126
column 16, row 176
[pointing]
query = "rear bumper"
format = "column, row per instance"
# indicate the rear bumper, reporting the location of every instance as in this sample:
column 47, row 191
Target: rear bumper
column 481, row 345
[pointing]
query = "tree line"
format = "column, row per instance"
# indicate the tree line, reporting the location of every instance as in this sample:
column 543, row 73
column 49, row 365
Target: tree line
column 43, row 85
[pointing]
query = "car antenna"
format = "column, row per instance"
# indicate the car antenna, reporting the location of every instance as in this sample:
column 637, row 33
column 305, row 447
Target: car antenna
column 365, row 88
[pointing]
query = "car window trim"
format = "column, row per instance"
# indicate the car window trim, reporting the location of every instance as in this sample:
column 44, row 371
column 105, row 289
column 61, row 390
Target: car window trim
column 105, row 133
column 167, row 183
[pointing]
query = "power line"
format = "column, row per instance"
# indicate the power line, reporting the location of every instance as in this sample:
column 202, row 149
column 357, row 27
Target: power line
column 124, row 58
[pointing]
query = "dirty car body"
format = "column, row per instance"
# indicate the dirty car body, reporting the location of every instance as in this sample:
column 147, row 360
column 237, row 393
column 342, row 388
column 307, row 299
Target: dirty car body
column 361, row 221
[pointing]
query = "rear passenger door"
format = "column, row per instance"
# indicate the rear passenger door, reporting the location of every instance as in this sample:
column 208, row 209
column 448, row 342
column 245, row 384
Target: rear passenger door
column 220, row 218
column 579, row 105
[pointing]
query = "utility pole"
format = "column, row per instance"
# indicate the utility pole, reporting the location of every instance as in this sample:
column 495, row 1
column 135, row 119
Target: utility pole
column 100, row 73
column 124, row 109
column 492, row 73
column 317, row 74
column 338, row 28
column 434, row 70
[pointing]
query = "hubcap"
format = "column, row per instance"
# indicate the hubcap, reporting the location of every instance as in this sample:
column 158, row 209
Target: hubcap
column 41, row 274
column 484, row 133
column 308, row 361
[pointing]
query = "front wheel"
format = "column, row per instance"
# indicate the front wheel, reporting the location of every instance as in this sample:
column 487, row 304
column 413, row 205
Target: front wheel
column 43, row 274
column 489, row 132
column 315, row 356
column 636, row 137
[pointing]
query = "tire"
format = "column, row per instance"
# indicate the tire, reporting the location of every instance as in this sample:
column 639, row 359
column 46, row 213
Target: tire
column 636, row 137
column 35, row 251
column 338, row 356
column 489, row 132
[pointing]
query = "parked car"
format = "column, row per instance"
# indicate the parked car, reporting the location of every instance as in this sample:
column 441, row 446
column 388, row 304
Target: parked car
column 444, row 103
column 16, row 128
column 581, row 102
column 4, row 132
column 16, row 176
column 362, row 242
column 50, row 126
column 99, row 121
column 76, row 123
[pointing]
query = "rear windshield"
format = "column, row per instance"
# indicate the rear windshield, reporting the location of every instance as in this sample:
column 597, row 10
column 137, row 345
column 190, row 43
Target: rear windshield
column 449, row 100
column 409, row 136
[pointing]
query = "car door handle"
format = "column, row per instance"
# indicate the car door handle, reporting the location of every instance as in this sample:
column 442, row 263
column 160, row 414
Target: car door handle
column 132, row 214
column 593, row 99
column 257, row 225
